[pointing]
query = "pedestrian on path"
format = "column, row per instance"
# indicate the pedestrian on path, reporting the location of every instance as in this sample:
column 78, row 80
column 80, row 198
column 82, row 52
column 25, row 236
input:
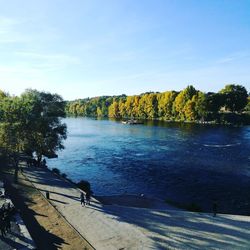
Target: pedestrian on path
column 214, row 208
column 2, row 227
column 88, row 198
column 7, row 224
column 82, row 199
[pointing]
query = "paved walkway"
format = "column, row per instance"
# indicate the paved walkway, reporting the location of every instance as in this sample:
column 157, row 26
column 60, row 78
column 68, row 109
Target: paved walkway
column 119, row 227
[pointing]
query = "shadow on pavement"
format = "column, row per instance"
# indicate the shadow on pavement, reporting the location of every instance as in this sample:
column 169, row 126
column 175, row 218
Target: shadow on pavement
column 38, row 233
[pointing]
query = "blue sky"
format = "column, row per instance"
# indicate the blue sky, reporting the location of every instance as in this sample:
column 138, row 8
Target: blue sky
column 86, row 48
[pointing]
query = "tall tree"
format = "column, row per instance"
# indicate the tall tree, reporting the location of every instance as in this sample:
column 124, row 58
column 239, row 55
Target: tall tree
column 214, row 102
column 235, row 97
column 13, row 128
column 247, row 108
column 45, row 130
column 200, row 100
column 151, row 105
column 31, row 124
column 165, row 104
column 189, row 110
column 129, row 104
column 2, row 94
column 114, row 110
column 142, row 108
column 122, row 108
column 180, row 101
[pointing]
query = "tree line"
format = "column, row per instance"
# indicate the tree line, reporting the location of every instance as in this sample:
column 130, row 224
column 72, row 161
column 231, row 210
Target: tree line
column 231, row 104
column 31, row 125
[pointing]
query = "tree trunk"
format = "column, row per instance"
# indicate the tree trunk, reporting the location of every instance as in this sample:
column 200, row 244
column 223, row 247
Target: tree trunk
column 39, row 159
column 16, row 163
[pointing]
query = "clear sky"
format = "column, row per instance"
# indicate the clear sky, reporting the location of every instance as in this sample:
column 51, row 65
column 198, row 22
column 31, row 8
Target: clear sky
column 86, row 48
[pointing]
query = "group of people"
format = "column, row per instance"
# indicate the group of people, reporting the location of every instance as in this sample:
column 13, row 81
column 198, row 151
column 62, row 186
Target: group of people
column 6, row 213
column 36, row 163
column 85, row 199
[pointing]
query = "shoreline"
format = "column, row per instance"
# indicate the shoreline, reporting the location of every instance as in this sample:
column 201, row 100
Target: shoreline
column 124, row 227
column 149, row 201
column 139, row 222
column 178, row 122
column 133, row 200
column 127, row 200
column 145, row 201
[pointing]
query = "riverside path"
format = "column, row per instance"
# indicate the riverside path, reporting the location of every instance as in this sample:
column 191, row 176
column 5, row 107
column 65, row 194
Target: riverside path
column 122, row 227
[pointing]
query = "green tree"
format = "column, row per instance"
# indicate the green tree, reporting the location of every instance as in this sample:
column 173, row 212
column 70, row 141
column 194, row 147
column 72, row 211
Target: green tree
column 151, row 105
column 31, row 124
column 189, row 110
column 122, row 108
column 200, row 100
column 13, row 128
column 135, row 108
column 114, row 110
column 2, row 94
column 99, row 112
column 247, row 108
column 129, row 104
column 142, row 107
column 181, row 99
column 214, row 102
column 235, row 97
column 165, row 104
column 46, row 132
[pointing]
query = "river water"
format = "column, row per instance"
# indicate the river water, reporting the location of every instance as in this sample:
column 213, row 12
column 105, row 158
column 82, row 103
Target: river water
column 182, row 163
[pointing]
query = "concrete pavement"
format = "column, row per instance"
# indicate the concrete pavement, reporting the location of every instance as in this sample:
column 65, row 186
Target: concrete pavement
column 121, row 227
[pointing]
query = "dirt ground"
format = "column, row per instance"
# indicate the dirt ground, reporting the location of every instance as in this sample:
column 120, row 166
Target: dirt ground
column 46, row 226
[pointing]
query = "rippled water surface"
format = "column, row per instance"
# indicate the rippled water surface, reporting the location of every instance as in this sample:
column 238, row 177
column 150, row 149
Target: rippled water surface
column 182, row 163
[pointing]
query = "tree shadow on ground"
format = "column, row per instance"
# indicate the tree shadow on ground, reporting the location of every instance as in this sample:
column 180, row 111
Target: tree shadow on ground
column 22, row 238
column 66, row 195
column 62, row 202
column 41, row 175
column 38, row 233
column 11, row 243
column 177, row 229
column 182, row 229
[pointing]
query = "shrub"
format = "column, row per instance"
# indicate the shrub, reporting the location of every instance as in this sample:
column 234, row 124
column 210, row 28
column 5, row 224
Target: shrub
column 84, row 185
column 64, row 175
column 193, row 207
column 56, row 171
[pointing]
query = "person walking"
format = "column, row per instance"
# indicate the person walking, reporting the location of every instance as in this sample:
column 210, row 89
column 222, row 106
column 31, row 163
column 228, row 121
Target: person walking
column 88, row 198
column 2, row 227
column 7, row 223
column 214, row 208
column 82, row 199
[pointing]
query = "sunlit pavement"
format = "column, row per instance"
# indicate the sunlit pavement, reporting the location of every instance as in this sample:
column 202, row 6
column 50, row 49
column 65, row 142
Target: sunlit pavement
column 120, row 227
